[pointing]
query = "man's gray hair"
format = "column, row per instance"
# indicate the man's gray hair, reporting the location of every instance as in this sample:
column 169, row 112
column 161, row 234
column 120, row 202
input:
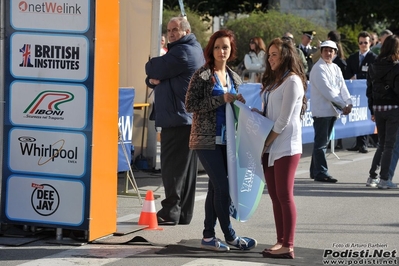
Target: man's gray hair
column 386, row 32
column 183, row 22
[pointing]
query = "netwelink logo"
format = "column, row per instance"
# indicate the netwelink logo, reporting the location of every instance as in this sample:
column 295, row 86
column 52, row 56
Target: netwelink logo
column 368, row 254
column 47, row 153
column 50, row 7
column 46, row 105
column 45, row 199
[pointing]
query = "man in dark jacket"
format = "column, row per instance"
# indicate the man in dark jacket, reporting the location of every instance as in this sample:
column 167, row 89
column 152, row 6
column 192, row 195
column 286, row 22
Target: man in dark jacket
column 307, row 49
column 169, row 76
column 357, row 66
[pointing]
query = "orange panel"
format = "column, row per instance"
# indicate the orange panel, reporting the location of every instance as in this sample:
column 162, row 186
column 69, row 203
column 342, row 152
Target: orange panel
column 103, row 202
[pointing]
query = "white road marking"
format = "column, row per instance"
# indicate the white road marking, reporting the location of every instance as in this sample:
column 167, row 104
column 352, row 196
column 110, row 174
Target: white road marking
column 87, row 255
column 218, row 262
column 354, row 160
column 300, row 172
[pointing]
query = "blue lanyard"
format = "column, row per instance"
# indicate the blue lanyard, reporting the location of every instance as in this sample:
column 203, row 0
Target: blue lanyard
column 232, row 89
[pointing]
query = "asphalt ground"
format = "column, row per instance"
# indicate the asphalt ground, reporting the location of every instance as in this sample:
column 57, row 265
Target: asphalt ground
column 345, row 223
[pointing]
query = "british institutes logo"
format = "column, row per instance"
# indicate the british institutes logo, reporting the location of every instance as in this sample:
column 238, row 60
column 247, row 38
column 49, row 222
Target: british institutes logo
column 50, row 56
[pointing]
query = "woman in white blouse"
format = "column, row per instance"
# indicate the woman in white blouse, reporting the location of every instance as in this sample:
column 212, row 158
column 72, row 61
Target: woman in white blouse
column 254, row 60
column 284, row 102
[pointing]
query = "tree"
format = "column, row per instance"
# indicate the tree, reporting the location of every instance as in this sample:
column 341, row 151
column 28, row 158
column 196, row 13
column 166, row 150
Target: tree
column 269, row 26
column 372, row 15
column 219, row 7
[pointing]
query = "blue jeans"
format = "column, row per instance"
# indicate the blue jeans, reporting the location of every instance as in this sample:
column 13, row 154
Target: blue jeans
column 395, row 158
column 217, row 201
column 323, row 127
column 387, row 123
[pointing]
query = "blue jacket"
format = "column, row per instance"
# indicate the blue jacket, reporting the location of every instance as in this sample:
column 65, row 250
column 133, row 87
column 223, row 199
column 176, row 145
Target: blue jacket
column 174, row 70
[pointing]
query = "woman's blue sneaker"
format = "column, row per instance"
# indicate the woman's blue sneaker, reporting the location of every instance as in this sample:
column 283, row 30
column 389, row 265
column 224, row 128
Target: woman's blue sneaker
column 243, row 243
column 215, row 244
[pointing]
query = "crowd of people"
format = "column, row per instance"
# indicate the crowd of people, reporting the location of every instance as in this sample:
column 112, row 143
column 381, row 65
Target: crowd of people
column 193, row 86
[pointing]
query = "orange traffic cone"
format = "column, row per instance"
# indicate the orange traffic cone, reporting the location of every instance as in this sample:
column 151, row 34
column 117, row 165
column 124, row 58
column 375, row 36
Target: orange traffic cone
column 148, row 215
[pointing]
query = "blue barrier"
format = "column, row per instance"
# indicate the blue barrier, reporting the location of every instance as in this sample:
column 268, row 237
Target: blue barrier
column 125, row 125
column 357, row 123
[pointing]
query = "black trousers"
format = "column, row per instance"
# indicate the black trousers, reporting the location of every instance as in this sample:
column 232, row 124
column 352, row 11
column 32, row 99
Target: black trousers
column 179, row 167
column 361, row 141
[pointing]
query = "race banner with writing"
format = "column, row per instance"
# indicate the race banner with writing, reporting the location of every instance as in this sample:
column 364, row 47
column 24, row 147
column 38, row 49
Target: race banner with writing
column 246, row 133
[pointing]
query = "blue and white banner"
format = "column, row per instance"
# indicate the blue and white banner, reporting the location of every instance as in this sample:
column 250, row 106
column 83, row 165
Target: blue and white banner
column 357, row 123
column 244, row 151
column 125, row 125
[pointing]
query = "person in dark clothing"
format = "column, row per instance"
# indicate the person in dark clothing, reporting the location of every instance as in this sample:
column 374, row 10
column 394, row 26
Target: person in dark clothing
column 358, row 64
column 307, row 49
column 383, row 102
column 169, row 76
column 211, row 88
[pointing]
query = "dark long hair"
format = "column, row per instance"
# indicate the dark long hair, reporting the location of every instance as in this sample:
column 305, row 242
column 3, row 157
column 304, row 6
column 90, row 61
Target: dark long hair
column 390, row 49
column 259, row 44
column 208, row 52
column 289, row 61
column 335, row 36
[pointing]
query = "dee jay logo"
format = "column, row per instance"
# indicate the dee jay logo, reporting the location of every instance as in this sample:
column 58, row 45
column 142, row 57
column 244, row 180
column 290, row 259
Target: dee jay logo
column 45, row 199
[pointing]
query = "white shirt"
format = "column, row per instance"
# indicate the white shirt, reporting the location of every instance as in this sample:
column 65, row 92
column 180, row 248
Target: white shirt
column 284, row 106
column 327, row 86
column 255, row 62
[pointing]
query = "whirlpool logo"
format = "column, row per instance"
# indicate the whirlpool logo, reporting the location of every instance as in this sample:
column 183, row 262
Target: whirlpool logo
column 47, row 152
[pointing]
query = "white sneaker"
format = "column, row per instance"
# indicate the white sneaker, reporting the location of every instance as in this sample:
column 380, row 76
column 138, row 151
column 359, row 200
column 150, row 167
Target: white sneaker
column 372, row 182
column 385, row 184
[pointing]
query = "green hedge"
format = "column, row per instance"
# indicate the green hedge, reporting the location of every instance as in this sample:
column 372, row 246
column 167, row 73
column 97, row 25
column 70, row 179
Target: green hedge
column 269, row 26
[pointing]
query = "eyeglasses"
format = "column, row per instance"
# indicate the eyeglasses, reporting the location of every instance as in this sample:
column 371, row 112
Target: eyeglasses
column 360, row 43
column 251, row 42
column 174, row 30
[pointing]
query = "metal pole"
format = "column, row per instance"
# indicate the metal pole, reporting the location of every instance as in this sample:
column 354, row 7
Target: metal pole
column 155, row 46
column 58, row 234
column 2, row 55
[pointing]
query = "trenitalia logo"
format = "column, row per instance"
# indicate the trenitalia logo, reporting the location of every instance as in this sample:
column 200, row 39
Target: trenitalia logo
column 50, row 7
column 47, row 103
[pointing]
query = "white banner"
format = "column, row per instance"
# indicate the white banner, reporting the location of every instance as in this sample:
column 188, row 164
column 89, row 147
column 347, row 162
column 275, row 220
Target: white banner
column 244, row 148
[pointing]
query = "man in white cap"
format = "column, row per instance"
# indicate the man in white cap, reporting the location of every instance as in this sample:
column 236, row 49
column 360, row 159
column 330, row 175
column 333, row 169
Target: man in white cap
column 329, row 98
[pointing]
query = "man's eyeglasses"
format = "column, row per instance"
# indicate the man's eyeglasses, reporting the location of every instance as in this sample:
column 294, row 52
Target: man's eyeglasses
column 360, row 43
column 174, row 30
